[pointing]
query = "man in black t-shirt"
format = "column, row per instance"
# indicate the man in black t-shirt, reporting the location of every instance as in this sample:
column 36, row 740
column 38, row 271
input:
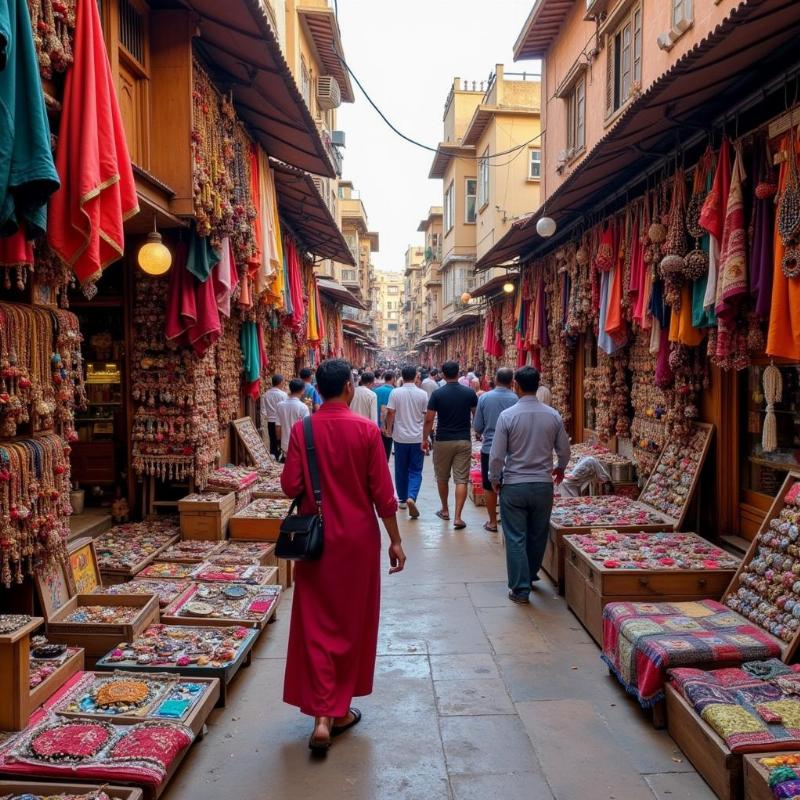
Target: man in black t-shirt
column 452, row 406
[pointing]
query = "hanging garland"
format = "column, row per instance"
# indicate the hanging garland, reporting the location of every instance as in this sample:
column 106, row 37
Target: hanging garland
column 53, row 25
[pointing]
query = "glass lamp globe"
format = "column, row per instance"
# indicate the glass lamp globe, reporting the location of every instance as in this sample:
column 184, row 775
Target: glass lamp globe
column 466, row 297
column 154, row 257
column 508, row 287
column 546, row 227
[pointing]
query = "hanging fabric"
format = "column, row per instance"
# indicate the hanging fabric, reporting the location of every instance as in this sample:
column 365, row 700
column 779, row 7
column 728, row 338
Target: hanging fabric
column 763, row 223
column 712, row 219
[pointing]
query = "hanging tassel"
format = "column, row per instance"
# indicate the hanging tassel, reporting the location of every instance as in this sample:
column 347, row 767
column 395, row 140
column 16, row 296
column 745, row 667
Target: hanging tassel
column 773, row 389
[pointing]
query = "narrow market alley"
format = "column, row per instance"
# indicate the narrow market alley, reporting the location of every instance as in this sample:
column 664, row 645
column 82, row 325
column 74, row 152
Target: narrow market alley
column 475, row 697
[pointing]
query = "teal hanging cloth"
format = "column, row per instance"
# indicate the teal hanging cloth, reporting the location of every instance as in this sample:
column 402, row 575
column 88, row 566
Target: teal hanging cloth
column 27, row 172
column 251, row 354
column 202, row 255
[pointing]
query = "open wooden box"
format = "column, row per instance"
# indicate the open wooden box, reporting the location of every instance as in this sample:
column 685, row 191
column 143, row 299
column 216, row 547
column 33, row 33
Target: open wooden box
column 246, row 525
column 756, row 777
column 208, row 519
column 59, row 602
column 120, row 574
column 172, row 616
column 37, row 788
column 553, row 562
column 18, row 699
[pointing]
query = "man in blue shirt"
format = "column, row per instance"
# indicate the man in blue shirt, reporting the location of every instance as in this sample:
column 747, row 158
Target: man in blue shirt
column 383, row 391
column 490, row 406
column 310, row 391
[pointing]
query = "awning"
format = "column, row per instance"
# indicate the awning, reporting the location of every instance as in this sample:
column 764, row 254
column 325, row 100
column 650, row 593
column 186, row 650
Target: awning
column 338, row 293
column 745, row 55
column 323, row 30
column 307, row 213
column 483, row 115
column 494, row 285
column 444, row 153
column 541, row 28
column 458, row 321
column 244, row 56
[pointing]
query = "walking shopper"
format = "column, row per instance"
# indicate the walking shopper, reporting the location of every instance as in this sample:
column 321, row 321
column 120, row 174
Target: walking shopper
column 310, row 395
column 289, row 411
column 269, row 412
column 490, row 406
column 383, row 393
column 365, row 401
column 451, row 407
column 522, row 458
column 333, row 636
column 405, row 418
column 429, row 383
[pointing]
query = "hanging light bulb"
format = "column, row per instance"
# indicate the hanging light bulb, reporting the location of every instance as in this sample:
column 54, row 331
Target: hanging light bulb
column 466, row 297
column 546, row 227
column 154, row 258
column 508, row 287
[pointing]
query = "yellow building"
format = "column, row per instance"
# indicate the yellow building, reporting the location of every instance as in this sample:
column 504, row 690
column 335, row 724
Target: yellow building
column 484, row 186
column 431, row 226
column 413, row 310
column 389, row 314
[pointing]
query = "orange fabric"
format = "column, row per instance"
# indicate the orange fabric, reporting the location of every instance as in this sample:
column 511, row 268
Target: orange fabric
column 783, row 338
column 98, row 193
column 680, row 325
column 615, row 317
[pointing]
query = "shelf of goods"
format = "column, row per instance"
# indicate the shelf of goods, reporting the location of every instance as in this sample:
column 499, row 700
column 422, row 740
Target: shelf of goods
column 127, row 549
column 145, row 754
column 125, row 698
column 758, row 616
column 781, row 771
column 605, row 566
column 94, row 622
column 225, row 604
column 191, row 651
column 36, row 790
column 662, row 505
column 719, row 717
column 261, row 520
column 31, row 668
column 205, row 516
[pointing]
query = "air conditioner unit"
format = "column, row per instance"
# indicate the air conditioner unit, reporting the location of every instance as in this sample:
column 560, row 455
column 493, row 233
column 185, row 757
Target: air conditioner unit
column 329, row 95
column 337, row 138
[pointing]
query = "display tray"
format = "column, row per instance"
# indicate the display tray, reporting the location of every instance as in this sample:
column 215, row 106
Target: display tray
column 188, row 551
column 225, row 604
column 721, row 769
column 756, row 774
column 244, row 552
column 191, row 651
column 164, row 697
column 253, row 443
column 268, row 486
column 247, row 574
column 127, row 549
column 168, row 571
column 231, row 478
column 84, row 569
column 606, row 566
column 208, row 501
column 260, row 520
column 43, row 685
column 165, row 590
column 84, row 791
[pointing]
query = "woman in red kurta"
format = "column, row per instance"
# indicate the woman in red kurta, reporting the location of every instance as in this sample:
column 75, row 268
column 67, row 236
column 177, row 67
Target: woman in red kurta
column 334, row 631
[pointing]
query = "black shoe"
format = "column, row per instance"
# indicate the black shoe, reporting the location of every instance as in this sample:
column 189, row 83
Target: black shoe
column 520, row 599
column 536, row 578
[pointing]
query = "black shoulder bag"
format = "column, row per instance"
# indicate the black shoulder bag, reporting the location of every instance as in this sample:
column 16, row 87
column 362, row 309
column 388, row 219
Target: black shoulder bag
column 301, row 536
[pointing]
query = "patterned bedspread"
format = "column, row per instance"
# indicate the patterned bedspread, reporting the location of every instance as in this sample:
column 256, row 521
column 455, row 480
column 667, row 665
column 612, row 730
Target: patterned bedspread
column 641, row 641
column 749, row 714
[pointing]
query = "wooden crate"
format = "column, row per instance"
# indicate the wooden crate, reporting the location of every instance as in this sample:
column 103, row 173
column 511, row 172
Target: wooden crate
column 37, row 788
column 267, row 557
column 721, row 769
column 205, row 525
column 190, row 558
column 171, row 616
column 756, row 776
column 260, row 530
column 589, row 586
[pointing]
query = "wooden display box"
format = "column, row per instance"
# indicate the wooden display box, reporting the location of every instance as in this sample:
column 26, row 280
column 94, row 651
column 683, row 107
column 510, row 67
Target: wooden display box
column 84, row 571
column 195, row 719
column 206, row 520
column 589, row 586
column 721, row 769
column 36, row 788
column 268, row 559
column 171, row 617
column 259, row 530
column 113, row 576
column 756, row 776
column 58, row 602
column 186, row 558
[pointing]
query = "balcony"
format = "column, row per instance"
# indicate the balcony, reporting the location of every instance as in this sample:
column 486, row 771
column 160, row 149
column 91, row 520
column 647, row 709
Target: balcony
column 332, row 150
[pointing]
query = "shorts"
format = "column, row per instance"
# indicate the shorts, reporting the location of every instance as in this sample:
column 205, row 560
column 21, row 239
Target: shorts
column 455, row 457
column 487, row 484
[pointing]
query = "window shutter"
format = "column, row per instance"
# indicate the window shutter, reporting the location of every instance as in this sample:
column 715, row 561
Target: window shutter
column 637, row 44
column 609, row 75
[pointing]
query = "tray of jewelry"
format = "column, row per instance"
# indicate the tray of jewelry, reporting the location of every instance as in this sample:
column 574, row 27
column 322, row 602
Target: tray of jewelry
column 167, row 591
column 189, row 650
column 252, row 442
column 582, row 514
column 244, row 552
column 127, row 697
column 168, row 570
column 14, row 627
column 247, row 574
column 191, row 551
column 126, row 549
column 49, row 666
column 268, row 486
column 207, row 501
column 231, row 478
column 36, row 790
column 226, row 604
column 261, row 519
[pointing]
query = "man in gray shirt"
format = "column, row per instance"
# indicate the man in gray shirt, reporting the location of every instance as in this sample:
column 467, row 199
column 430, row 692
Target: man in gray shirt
column 490, row 406
column 521, row 458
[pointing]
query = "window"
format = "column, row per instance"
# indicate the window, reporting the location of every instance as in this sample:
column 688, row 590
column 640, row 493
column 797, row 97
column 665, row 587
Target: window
column 470, row 207
column 349, row 275
column 392, row 290
column 434, row 242
column 624, row 64
column 483, row 179
column 534, row 164
column 576, row 117
column 449, row 208
column 305, row 82
column 681, row 13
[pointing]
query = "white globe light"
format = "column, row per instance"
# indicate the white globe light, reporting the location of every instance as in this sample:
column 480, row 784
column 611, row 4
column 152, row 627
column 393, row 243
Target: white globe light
column 546, row 227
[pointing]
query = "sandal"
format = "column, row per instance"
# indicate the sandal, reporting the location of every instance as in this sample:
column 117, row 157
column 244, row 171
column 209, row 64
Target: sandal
column 319, row 747
column 459, row 525
column 442, row 516
column 338, row 730
column 490, row 528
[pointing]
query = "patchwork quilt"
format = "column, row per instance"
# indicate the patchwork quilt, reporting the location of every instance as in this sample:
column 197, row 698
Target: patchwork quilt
column 641, row 641
column 749, row 714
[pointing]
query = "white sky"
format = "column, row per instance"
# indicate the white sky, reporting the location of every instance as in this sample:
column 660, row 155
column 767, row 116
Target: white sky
column 406, row 55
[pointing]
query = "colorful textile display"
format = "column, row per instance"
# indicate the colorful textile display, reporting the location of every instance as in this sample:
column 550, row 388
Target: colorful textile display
column 748, row 714
column 641, row 641
column 97, row 192
column 784, row 775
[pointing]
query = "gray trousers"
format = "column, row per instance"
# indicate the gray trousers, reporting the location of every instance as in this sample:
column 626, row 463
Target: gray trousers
column 525, row 509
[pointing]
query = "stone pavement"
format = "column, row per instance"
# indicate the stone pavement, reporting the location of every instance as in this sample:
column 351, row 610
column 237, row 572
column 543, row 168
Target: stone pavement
column 475, row 697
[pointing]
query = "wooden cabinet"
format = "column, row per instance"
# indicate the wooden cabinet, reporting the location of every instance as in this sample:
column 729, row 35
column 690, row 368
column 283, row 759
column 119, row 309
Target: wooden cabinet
column 94, row 462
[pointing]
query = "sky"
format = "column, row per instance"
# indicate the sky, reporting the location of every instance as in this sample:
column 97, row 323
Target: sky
column 406, row 55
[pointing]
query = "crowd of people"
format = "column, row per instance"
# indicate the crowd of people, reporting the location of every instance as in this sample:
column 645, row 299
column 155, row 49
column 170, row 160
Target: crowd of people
column 360, row 419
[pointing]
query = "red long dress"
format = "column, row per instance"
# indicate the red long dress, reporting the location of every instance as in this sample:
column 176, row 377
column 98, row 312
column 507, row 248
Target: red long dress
column 334, row 631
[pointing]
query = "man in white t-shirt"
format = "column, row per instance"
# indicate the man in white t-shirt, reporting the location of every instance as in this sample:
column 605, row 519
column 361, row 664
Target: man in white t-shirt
column 429, row 382
column 405, row 418
column 365, row 401
column 269, row 412
column 291, row 410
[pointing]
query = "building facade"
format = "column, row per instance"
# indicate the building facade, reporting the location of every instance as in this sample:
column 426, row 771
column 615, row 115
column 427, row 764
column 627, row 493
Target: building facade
column 389, row 312
column 413, row 310
column 431, row 227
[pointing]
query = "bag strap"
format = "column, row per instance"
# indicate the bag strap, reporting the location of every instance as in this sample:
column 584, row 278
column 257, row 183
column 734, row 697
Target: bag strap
column 311, row 455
